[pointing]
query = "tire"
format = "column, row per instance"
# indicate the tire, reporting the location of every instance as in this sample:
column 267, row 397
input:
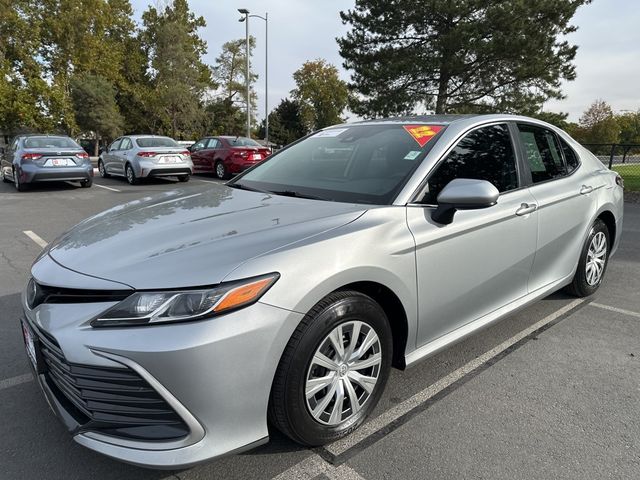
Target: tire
column 184, row 178
column 21, row 187
column 130, row 174
column 290, row 410
column 86, row 183
column 593, row 261
column 221, row 171
column 102, row 170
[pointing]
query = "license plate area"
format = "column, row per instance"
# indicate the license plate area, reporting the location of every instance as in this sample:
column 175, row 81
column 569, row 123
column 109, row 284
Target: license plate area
column 170, row 159
column 59, row 162
column 256, row 156
column 32, row 347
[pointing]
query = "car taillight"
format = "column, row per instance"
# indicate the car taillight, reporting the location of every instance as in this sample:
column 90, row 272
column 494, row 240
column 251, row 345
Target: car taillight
column 147, row 154
column 31, row 156
column 619, row 181
column 242, row 153
column 82, row 155
column 186, row 152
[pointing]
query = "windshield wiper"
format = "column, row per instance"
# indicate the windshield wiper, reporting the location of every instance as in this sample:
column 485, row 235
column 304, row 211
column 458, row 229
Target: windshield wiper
column 240, row 186
column 293, row 193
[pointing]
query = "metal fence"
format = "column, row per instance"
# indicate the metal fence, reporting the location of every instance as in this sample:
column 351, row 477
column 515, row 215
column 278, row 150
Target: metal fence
column 623, row 158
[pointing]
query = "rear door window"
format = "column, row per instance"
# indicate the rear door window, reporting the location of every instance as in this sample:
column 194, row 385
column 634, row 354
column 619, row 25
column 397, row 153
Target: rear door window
column 570, row 156
column 542, row 153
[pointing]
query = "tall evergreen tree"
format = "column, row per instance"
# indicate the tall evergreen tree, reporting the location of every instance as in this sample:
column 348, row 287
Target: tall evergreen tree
column 457, row 55
column 230, row 99
column 180, row 78
column 285, row 123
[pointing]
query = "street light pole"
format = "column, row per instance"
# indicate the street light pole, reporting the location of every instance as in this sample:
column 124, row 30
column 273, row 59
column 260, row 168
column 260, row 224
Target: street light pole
column 245, row 12
column 246, row 17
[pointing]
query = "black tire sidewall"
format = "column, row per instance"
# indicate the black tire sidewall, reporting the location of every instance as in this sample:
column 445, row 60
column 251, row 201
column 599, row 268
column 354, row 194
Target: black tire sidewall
column 306, row 429
column 580, row 280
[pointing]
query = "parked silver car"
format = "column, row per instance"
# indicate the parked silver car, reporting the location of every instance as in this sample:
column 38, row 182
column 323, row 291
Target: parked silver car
column 166, row 331
column 45, row 158
column 142, row 156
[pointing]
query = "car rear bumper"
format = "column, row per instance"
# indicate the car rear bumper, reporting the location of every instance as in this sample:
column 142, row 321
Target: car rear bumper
column 31, row 173
column 215, row 375
column 147, row 168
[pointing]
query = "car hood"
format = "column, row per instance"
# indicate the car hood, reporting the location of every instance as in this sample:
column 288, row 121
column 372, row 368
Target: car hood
column 186, row 238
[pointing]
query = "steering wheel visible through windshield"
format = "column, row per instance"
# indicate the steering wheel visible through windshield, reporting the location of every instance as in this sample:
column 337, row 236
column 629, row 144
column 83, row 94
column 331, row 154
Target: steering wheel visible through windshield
column 355, row 164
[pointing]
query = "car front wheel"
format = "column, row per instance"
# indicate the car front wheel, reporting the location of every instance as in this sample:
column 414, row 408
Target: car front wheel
column 333, row 370
column 593, row 261
column 102, row 170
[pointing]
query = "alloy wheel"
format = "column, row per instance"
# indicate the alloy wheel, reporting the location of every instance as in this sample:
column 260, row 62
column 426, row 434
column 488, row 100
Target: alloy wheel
column 343, row 373
column 596, row 258
column 220, row 170
column 130, row 177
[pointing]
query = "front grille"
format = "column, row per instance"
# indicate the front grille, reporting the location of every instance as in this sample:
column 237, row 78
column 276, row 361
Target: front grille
column 113, row 401
column 38, row 294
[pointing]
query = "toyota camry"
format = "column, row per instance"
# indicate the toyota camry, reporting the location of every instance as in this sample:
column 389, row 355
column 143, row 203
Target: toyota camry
column 285, row 296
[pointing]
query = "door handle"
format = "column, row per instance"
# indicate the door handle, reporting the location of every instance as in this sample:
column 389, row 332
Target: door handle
column 526, row 208
column 585, row 189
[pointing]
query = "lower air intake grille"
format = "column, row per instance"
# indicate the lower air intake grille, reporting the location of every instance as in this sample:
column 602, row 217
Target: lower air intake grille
column 112, row 401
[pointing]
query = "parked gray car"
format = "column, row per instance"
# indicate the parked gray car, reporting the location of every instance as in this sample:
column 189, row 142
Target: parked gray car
column 142, row 156
column 166, row 331
column 45, row 158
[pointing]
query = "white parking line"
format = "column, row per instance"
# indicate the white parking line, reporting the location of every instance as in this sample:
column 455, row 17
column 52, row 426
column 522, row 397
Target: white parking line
column 313, row 466
column 36, row 238
column 396, row 412
column 108, row 188
column 13, row 381
column 616, row 309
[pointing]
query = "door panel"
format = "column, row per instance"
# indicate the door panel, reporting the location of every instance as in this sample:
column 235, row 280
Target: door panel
column 476, row 264
column 563, row 217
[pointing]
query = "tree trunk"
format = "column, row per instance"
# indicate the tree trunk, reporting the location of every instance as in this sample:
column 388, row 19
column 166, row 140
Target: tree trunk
column 96, row 148
column 441, row 101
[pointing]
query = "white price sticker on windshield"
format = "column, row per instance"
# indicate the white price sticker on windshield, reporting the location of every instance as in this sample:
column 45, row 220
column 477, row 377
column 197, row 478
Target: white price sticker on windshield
column 412, row 155
column 334, row 132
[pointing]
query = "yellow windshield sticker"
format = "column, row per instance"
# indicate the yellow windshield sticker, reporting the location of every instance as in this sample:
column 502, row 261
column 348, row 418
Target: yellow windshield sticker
column 422, row 133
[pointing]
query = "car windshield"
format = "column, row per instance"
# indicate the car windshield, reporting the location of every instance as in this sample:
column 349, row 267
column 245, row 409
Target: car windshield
column 355, row 164
column 242, row 142
column 146, row 142
column 50, row 142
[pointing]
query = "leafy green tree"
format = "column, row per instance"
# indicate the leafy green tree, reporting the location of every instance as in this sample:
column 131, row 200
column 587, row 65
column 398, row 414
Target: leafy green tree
column 81, row 36
column 457, row 55
column 285, row 123
column 629, row 126
column 598, row 124
column 559, row 119
column 224, row 117
column 95, row 106
column 320, row 93
column 24, row 93
column 230, row 73
column 180, row 78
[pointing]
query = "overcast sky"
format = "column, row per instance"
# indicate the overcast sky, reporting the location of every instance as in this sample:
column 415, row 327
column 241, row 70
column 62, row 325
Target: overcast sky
column 608, row 59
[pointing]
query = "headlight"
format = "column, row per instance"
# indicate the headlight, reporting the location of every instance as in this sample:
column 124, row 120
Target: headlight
column 149, row 308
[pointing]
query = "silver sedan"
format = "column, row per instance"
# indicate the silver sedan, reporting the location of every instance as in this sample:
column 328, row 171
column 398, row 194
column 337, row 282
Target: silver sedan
column 143, row 156
column 290, row 292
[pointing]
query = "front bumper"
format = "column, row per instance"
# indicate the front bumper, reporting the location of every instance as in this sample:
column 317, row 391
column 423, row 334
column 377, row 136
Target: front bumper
column 216, row 374
column 32, row 173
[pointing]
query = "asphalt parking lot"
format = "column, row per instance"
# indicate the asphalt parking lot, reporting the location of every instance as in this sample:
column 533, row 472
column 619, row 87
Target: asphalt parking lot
column 551, row 392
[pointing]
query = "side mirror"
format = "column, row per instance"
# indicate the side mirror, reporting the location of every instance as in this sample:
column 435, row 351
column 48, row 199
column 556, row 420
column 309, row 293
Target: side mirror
column 464, row 194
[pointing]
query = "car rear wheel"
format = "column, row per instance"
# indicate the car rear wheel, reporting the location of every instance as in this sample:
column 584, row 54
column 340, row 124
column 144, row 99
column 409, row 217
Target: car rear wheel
column 221, row 171
column 333, row 370
column 131, row 175
column 184, row 178
column 21, row 187
column 102, row 170
column 593, row 261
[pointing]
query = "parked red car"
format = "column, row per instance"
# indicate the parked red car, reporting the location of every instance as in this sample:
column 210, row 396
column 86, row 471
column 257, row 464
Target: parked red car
column 225, row 156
